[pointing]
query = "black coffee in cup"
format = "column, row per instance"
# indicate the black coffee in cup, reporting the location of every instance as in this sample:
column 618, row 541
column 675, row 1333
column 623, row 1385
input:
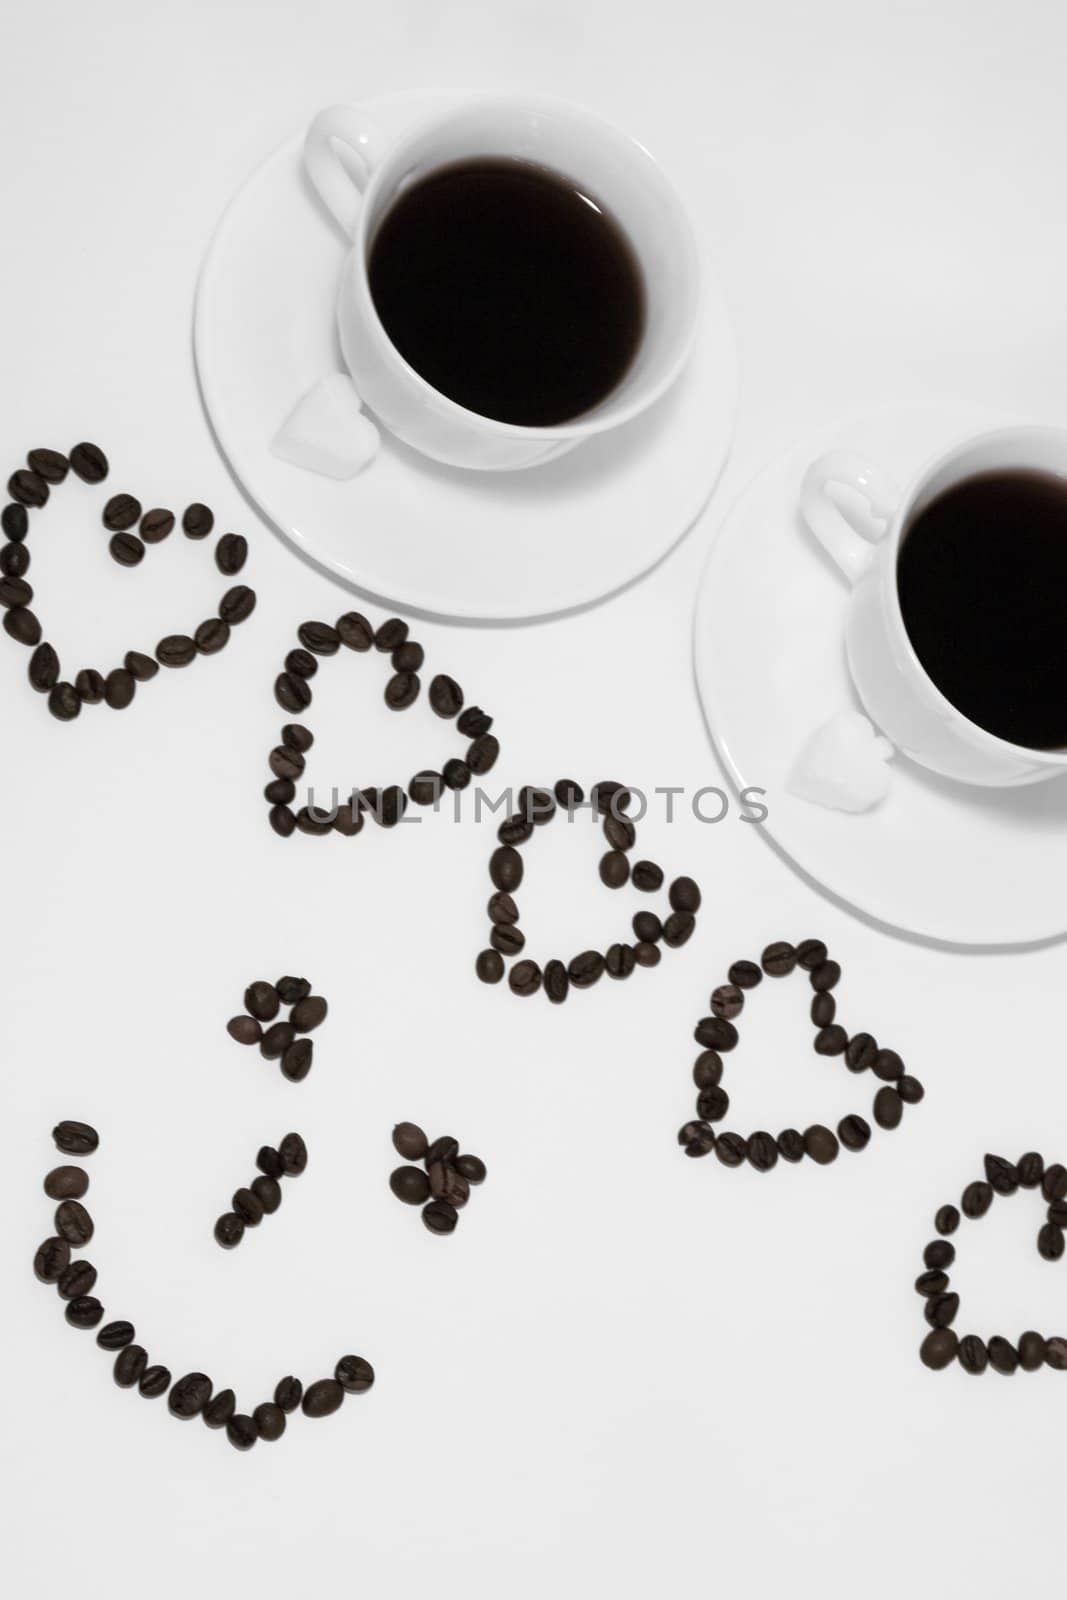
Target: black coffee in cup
column 982, row 580
column 509, row 290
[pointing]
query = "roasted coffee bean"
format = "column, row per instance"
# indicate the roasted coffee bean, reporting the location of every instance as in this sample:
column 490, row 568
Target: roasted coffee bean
column 1003, row 1356
column 1056, row 1354
column 354, row 1374
column 297, row 1060
column 947, row 1220
column 411, row 1185
column 393, row 805
column 707, row 1069
column 649, row 929
column 854, row 1132
column 285, row 762
column 261, row 1000
column 713, row 1103
column 762, row 1151
column 402, row 690
column 778, row 960
column 212, row 636
column 448, row 1184
column 120, row 687
column 727, row 1000
column 939, row 1253
column 585, row 969
column 301, row 663
column 426, row 788
column 245, row 1030
column 176, row 650
column 408, row 657
column 237, row 604
column 22, row 625
column 474, row 722
column 322, row 1397
column 248, row 1207
column 27, row 487
column 268, row 1192
column 505, row 868
column 14, row 560
column 820, row 1144
column 130, row 1365
column 64, row 702
column 197, row 521
column 472, row 1168
column 977, row 1199
column 620, row 832
column 1031, row 1169
column 678, row 928
column 1002, row 1175
column 862, row 1049
column 269, row 1420
column 444, row 1149
column 276, row 1040
column 502, row 909
column 288, row 1393
column 1049, row 1241
column 831, row 1041
column 1054, row 1182
column 731, row 1149
column 938, row 1350
column 745, row 975
column 825, row 976
column 52, row 1260
column 515, row 830
column 269, row 1161
column 619, row 961
column 557, row 983
column 15, row 523
column 715, row 1033
column 489, row 966
column 931, row 1282
column 66, row 1183
column 156, row 525
column 646, row 954
column 76, row 1280
column 189, row 1395
column 84, row 1312
column 439, row 1216
column 972, row 1355
column 142, row 666
column 940, row 1310
column 89, row 462
column 48, row 464
column 241, row 1431
column 791, row 1145
column 115, row 1335
column 291, row 989
column 614, row 869
column 684, row 895
column 309, row 1013
column 811, row 953
column 823, row 1010
column 229, row 1230
column 610, row 797
column 126, row 549
column 15, row 592
column 696, row 1139
column 121, row 512
column 456, row 773
column 524, row 978
column 647, row 876
column 509, row 940
column 231, row 553
column 482, row 754
column 888, row 1066
column 90, row 687
column 292, row 692
column 44, row 669
column 888, row 1107
column 355, row 631
column 910, row 1090
column 409, row 1141
column 1057, row 1213
column 294, row 1155
column 348, row 821
column 446, row 696
column 220, row 1408
column 75, row 1138
column 1031, row 1351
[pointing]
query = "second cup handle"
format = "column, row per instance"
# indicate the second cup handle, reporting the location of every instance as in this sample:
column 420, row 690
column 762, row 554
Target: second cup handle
column 340, row 191
column 848, row 536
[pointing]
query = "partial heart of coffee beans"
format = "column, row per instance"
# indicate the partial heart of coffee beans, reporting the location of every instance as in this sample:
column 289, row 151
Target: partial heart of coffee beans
column 607, row 805
column 442, row 1185
column 943, row 1347
column 385, row 806
column 29, row 488
column 281, row 1039
column 193, row 1394
column 717, row 1035
column 263, row 1195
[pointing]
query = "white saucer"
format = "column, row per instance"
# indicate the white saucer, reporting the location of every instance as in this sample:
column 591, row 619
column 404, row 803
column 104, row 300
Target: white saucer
column 466, row 545
column 939, row 860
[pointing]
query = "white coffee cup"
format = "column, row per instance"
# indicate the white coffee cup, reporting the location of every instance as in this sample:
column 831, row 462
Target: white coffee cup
column 898, row 695
column 610, row 166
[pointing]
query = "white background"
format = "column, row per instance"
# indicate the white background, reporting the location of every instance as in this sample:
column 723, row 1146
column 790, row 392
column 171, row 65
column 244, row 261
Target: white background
column 625, row 1371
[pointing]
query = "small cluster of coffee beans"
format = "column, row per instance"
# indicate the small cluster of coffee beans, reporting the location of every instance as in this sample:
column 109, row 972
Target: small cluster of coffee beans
column 281, row 1041
column 29, row 488
column 535, row 807
column 942, row 1345
column 292, row 690
column 718, row 1034
column 194, row 1394
column 264, row 1195
column 442, row 1186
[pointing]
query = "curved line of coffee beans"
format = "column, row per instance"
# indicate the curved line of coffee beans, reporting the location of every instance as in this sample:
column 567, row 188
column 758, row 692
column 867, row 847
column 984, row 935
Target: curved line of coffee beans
column 194, row 1394
column 718, row 1035
column 942, row 1346
column 535, row 808
column 281, row 1041
column 29, row 488
column 292, row 690
column 444, row 1188
column 263, row 1195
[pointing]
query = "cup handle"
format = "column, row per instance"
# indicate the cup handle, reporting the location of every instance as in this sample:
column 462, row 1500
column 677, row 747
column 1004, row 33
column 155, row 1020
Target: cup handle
column 340, row 191
column 848, row 534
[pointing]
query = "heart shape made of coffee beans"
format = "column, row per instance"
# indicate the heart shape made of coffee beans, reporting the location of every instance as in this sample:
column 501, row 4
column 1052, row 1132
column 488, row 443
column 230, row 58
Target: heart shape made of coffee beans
column 535, row 808
column 30, row 488
column 942, row 1346
column 717, row 1035
column 292, row 690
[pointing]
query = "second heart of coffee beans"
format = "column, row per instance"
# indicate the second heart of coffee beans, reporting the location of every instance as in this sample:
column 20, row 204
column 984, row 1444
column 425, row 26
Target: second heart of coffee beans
column 442, row 1186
